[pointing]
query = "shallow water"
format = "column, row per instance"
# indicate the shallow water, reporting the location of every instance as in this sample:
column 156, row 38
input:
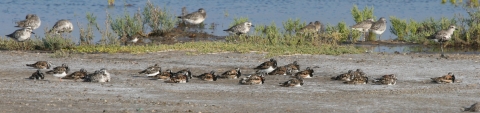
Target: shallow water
column 259, row 12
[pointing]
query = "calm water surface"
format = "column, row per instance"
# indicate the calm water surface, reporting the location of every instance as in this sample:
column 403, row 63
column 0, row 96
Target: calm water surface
column 258, row 11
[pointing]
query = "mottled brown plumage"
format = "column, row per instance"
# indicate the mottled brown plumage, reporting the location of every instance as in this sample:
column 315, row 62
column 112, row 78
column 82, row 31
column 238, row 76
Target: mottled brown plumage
column 41, row 65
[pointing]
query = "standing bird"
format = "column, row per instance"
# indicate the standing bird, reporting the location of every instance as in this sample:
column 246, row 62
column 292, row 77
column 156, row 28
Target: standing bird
column 62, row 26
column 195, row 17
column 443, row 36
column 41, row 65
column 311, row 27
column 363, row 26
column 379, row 27
column 31, row 20
column 241, row 28
column 21, row 35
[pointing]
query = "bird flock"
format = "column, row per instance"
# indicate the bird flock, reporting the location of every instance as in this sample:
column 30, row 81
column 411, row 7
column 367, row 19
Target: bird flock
column 267, row 68
column 32, row 22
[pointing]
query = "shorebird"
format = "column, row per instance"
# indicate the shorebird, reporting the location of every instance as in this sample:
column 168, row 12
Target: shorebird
column 267, row 66
column 195, row 17
column 21, row 35
column 60, row 71
column 37, row 75
column 62, row 26
column 358, row 79
column 164, row 75
column 345, row 76
column 307, row 73
column 41, row 65
column 282, row 70
column 311, row 27
column 363, row 26
column 379, row 27
column 293, row 68
column 77, row 75
column 443, row 36
column 31, row 20
column 386, row 80
column 232, row 74
column 178, row 78
column 295, row 82
column 99, row 76
column 187, row 72
column 256, row 79
column 151, row 71
column 208, row 76
column 449, row 78
column 241, row 28
column 473, row 108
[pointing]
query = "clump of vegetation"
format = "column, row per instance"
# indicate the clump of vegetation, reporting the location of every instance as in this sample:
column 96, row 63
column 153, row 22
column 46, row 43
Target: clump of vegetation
column 359, row 16
column 157, row 18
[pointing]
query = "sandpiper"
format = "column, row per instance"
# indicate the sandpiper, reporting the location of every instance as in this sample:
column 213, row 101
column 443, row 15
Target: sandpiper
column 267, row 66
column 473, row 108
column 358, row 79
column 37, row 75
column 307, row 73
column 99, row 76
column 443, row 36
column 379, row 27
column 363, row 26
column 165, row 75
column 187, row 72
column 449, row 78
column 21, row 35
column 241, row 28
column 312, row 27
column 256, row 79
column 293, row 68
column 41, row 65
column 282, row 70
column 178, row 78
column 195, row 17
column 60, row 71
column 208, row 76
column 77, row 75
column 31, row 20
column 151, row 71
column 295, row 82
column 344, row 76
column 232, row 74
column 386, row 80
column 62, row 26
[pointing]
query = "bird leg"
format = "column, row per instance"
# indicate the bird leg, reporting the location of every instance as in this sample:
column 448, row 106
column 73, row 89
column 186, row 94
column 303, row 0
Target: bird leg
column 441, row 47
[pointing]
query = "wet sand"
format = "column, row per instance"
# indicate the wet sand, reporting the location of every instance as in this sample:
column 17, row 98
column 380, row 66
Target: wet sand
column 130, row 92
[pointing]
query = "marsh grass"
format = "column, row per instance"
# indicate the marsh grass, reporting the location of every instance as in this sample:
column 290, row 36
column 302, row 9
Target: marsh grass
column 269, row 39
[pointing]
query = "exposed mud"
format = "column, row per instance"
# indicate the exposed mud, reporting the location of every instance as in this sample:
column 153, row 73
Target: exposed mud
column 131, row 92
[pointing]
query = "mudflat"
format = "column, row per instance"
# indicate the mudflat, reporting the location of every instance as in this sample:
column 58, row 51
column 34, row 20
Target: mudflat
column 131, row 92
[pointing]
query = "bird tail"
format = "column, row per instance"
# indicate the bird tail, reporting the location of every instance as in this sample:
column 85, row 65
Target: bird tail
column 179, row 16
column 50, row 72
column 31, row 65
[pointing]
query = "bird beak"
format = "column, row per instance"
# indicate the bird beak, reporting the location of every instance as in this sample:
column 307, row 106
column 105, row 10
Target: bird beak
column 253, row 26
column 33, row 33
